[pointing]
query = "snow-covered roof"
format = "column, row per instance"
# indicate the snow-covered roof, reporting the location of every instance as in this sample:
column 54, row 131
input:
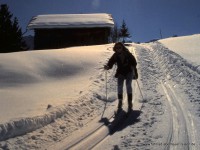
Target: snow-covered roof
column 71, row 21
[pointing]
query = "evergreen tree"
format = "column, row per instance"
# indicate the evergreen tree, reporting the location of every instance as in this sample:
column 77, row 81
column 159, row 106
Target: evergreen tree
column 10, row 33
column 124, row 31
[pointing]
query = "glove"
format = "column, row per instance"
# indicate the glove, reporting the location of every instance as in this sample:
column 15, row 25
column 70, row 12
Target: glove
column 106, row 67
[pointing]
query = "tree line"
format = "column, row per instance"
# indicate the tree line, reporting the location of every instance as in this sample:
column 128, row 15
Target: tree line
column 11, row 39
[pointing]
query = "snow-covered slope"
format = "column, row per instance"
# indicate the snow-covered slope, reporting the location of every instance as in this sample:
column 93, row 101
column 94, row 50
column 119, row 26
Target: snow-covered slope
column 170, row 85
column 186, row 46
column 33, row 81
column 72, row 83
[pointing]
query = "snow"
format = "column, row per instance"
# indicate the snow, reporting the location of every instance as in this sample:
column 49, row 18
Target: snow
column 71, row 21
column 35, row 78
column 186, row 46
column 49, row 95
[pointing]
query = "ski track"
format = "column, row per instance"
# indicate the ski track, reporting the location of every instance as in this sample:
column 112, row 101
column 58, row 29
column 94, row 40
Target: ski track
column 182, row 133
column 167, row 121
column 140, row 135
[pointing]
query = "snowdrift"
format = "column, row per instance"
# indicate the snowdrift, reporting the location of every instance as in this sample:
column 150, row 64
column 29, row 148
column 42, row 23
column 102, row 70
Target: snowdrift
column 186, row 46
column 31, row 81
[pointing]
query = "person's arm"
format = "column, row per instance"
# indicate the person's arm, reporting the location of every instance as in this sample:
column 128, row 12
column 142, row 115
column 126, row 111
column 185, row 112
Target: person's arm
column 111, row 62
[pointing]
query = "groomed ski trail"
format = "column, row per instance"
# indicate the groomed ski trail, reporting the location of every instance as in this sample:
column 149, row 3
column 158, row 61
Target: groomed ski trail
column 166, row 121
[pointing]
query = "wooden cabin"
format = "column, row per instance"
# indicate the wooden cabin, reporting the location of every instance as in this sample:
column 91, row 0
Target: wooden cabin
column 66, row 30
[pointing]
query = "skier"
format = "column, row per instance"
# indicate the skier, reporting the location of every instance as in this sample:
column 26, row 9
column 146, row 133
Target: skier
column 126, row 71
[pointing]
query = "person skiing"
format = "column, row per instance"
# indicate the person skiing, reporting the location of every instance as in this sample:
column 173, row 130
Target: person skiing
column 126, row 71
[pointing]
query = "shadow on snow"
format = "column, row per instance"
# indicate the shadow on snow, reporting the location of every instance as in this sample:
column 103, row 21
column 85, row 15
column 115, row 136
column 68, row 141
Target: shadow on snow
column 121, row 121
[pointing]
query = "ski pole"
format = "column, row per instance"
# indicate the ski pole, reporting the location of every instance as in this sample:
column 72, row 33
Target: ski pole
column 106, row 94
column 106, row 86
column 141, row 94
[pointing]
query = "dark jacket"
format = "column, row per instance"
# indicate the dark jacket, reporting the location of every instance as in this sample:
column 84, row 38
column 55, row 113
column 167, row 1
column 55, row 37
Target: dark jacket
column 125, row 66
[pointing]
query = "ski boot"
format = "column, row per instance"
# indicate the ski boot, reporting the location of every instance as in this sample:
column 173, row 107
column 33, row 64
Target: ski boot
column 119, row 107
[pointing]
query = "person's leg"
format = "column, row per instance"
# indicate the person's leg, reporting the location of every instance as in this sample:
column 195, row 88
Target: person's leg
column 120, row 83
column 130, row 104
column 129, row 90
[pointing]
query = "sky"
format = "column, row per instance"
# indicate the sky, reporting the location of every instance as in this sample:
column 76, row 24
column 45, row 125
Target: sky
column 145, row 19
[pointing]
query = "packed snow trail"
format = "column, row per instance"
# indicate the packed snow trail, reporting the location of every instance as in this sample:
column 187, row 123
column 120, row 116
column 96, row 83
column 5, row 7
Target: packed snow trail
column 167, row 121
column 182, row 131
